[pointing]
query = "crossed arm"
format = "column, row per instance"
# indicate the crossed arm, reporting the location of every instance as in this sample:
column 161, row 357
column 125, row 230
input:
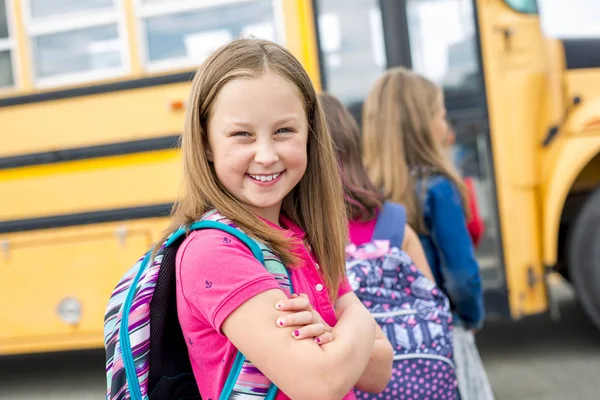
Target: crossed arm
column 357, row 353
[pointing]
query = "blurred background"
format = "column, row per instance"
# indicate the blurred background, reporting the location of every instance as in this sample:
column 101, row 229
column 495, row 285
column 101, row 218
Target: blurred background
column 92, row 100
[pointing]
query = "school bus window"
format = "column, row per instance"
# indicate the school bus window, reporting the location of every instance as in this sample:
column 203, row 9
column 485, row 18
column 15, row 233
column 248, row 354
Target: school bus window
column 6, row 49
column 49, row 8
column 182, row 34
column 352, row 46
column 6, row 75
column 76, row 41
column 524, row 6
column 447, row 56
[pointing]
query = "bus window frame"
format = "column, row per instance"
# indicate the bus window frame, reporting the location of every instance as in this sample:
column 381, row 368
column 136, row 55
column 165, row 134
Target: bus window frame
column 395, row 52
column 66, row 23
column 10, row 44
column 143, row 11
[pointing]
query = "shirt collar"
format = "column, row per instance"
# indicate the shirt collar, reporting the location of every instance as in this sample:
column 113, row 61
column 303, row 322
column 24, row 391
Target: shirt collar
column 288, row 226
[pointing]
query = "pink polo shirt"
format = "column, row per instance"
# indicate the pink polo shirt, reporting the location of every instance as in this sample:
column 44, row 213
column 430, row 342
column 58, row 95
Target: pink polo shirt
column 216, row 273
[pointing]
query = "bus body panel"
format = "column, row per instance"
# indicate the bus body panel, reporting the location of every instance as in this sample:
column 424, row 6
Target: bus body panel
column 56, row 283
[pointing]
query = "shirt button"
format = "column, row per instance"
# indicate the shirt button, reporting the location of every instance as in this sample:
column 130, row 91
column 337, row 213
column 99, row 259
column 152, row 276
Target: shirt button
column 319, row 287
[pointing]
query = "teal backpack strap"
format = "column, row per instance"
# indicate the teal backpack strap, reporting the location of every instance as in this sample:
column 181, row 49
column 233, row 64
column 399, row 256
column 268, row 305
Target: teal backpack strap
column 277, row 269
column 245, row 380
column 256, row 251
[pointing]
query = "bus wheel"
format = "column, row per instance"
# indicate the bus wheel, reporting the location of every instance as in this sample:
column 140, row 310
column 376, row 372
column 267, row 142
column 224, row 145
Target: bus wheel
column 584, row 256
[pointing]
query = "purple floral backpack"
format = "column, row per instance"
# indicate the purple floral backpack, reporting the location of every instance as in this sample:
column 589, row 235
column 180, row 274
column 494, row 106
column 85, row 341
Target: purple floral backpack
column 411, row 310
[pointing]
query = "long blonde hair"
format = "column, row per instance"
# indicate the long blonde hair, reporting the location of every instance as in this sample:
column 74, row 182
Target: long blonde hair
column 398, row 140
column 316, row 203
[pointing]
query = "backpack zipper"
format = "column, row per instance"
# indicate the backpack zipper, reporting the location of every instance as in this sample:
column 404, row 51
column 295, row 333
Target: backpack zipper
column 428, row 356
column 394, row 313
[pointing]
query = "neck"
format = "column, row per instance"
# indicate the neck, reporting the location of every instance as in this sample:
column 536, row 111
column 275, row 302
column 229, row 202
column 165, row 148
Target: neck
column 269, row 214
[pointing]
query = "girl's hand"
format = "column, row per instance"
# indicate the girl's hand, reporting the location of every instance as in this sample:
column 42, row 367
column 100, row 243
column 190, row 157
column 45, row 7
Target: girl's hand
column 308, row 322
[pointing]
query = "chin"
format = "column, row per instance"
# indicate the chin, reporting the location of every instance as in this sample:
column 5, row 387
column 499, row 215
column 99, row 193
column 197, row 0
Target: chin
column 264, row 203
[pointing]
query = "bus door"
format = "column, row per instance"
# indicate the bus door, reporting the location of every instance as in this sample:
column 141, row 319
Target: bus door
column 513, row 53
column 359, row 39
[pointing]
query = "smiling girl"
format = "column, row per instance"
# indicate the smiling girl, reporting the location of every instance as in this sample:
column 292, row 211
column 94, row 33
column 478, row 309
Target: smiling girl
column 256, row 152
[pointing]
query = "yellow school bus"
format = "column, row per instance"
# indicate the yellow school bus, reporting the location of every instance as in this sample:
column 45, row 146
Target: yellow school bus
column 92, row 98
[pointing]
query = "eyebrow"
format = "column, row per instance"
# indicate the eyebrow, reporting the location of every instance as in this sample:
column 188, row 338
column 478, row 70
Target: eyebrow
column 279, row 121
column 287, row 118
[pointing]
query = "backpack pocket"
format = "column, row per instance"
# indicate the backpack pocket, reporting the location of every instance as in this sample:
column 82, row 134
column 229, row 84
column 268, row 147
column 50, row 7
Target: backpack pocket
column 413, row 332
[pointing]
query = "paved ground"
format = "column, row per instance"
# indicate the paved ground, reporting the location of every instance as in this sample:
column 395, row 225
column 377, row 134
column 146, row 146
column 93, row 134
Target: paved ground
column 539, row 359
column 528, row 360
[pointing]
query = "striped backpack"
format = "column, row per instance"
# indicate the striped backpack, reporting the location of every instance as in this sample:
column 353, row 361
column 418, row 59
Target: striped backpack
column 146, row 354
column 410, row 309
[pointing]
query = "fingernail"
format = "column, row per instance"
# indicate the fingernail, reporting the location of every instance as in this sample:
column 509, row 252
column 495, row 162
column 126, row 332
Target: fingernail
column 318, row 339
column 280, row 322
column 296, row 333
column 278, row 305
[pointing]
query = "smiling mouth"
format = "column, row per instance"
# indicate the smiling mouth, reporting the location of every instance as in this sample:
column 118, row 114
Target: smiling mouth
column 265, row 178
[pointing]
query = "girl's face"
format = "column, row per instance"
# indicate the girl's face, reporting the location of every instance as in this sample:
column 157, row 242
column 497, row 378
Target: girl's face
column 439, row 125
column 258, row 136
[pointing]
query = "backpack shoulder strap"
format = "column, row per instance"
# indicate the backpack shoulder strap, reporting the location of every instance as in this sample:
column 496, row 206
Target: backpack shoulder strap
column 390, row 224
column 244, row 379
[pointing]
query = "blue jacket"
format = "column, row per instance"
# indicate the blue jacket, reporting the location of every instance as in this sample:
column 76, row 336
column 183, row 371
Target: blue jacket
column 449, row 249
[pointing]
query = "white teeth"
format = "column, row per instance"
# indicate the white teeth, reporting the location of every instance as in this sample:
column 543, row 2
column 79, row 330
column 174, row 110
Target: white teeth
column 265, row 178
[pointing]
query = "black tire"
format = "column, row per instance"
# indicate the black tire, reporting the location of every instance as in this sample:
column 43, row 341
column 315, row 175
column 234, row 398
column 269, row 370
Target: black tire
column 584, row 256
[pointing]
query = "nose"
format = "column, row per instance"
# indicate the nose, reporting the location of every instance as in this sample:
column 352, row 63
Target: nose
column 266, row 153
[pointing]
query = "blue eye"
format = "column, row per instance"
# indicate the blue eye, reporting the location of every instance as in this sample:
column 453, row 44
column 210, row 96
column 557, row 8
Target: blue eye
column 241, row 133
column 284, row 130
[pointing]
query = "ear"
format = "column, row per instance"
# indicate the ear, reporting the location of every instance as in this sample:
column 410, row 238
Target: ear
column 209, row 154
column 208, row 151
